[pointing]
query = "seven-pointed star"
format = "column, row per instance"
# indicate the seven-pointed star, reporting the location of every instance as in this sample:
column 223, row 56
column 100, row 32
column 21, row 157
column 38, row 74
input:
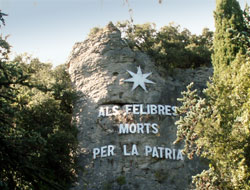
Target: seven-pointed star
column 139, row 79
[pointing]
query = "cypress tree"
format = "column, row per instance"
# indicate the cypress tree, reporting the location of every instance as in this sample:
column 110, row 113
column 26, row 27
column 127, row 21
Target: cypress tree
column 228, row 19
column 216, row 127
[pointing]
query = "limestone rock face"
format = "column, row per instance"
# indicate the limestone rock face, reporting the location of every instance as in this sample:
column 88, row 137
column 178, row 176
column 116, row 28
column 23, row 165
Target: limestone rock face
column 99, row 67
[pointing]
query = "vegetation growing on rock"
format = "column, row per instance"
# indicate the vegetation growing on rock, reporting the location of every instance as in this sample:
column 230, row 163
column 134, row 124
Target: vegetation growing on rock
column 170, row 47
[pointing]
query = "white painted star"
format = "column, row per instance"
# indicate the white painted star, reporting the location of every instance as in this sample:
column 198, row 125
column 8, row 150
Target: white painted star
column 139, row 79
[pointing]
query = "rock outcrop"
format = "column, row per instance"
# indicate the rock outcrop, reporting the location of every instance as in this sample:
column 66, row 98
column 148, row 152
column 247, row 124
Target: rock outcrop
column 141, row 156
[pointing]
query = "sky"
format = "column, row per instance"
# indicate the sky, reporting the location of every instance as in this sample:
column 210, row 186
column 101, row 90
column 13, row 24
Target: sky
column 48, row 29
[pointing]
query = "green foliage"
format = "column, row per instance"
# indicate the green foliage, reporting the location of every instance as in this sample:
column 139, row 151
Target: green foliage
column 94, row 31
column 38, row 141
column 121, row 180
column 228, row 22
column 10, row 75
column 107, row 186
column 216, row 127
column 170, row 47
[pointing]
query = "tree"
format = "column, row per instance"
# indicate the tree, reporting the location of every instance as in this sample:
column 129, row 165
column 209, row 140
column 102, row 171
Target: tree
column 170, row 47
column 228, row 18
column 216, row 127
column 10, row 76
column 38, row 140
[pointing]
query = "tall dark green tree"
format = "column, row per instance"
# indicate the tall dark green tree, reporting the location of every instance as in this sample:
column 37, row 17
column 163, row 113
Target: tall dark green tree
column 217, row 127
column 228, row 19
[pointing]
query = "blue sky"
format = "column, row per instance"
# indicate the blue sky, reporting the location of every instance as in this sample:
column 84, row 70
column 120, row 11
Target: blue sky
column 48, row 29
